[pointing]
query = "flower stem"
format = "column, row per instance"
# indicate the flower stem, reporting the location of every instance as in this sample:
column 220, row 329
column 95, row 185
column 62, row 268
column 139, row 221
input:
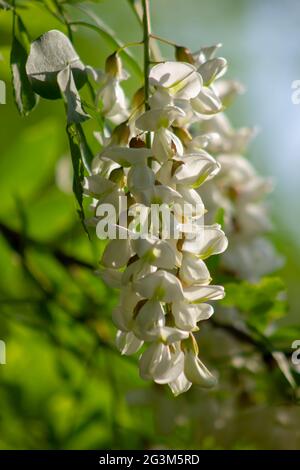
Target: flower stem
column 129, row 44
column 166, row 41
column 146, row 38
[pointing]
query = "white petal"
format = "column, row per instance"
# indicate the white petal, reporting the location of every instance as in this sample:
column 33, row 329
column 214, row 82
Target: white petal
column 97, row 185
column 136, row 270
column 117, row 253
column 167, row 334
column 160, row 285
column 161, row 364
column 164, row 195
column 209, row 240
column 193, row 270
column 149, row 360
column 188, row 315
column 156, row 252
column 160, row 98
column 157, row 118
column 140, row 177
column 207, row 102
column 196, row 168
column 203, row 293
column 170, row 367
column 128, row 343
column 196, row 372
column 122, row 319
column 162, row 146
column 212, row 69
column 227, row 90
column 170, row 335
column 180, row 385
column 150, row 316
column 205, row 53
column 126, row 156
column 122, row 315
column 111, row 277
column 179, row 78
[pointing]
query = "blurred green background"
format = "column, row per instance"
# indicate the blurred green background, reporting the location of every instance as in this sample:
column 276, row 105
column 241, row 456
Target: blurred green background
column 64, row 384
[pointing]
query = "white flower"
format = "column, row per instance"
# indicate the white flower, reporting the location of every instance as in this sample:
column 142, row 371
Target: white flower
column 188, row 315
column 195, row 169
column 156, row 252
column 179, row 79
column 196, row 372
column 160, row 285
column 212, row 69
column 117, row 253
column 111, row 94
column 193, row 270
column 126, row 156
column 161, row 363
column 128, row 343
column 203, row 293
column 97, row 186
column 209, row 240
column 180, row 385
column 114, row 101
column 158, row 120
column 150, row 317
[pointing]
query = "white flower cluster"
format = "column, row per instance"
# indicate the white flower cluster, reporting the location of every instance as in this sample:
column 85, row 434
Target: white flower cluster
column 165, row 283
column 240, row 192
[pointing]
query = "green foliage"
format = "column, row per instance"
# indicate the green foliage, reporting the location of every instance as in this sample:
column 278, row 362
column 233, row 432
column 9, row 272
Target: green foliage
column 260, row 304
column 75, row 143
column 110, row 39
column 24, row 95
column 50, row 55
column 4, row 5
column 64, row 386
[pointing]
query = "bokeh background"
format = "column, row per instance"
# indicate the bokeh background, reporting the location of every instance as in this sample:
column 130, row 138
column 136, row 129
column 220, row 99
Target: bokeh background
column 64, row 385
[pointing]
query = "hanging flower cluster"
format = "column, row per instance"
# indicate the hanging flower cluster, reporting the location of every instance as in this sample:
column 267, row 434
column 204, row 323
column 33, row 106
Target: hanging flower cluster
column 240, row 192
column 149, row 160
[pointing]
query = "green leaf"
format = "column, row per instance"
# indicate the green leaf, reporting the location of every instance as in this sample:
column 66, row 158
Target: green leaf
column 284, row 366
column 261, row 303
column 50, row 54
column 86, row 153
column 75, row 143
column 25, row 97
column 66, row 83
column 284, row 336
column 219, row 218
column 5, row 6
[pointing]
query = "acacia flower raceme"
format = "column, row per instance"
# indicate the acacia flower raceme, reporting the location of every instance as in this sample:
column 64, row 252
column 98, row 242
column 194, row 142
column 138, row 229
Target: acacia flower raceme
column 164, row 281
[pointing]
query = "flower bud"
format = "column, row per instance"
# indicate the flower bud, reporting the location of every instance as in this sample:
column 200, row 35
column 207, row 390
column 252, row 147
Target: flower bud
column 138, row 98
column 183, row 54
column 183, row 135
column 117, row 175
column 113, row 65
column 120, row 134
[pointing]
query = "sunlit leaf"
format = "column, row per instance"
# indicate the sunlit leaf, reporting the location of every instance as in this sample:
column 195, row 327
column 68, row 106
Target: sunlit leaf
column 50, row 54
column 4, row 5
column 68, row 89
column 25, row 97
column 78, row 166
